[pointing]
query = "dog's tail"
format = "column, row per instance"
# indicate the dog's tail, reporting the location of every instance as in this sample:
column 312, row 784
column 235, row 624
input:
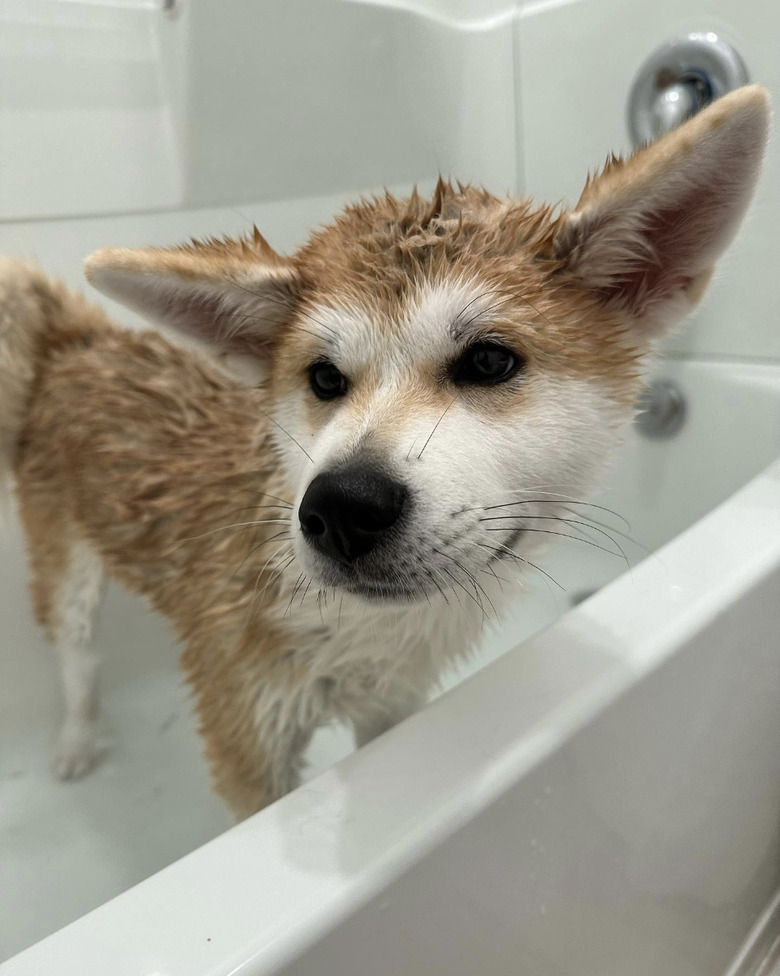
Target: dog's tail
column 31, row 305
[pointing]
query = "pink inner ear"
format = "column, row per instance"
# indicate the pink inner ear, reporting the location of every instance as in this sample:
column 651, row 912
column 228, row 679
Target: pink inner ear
column 234, row 329
column 665, row 253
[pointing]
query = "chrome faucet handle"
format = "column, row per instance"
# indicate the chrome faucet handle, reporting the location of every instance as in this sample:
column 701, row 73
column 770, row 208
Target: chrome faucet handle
column 679, row 80
column 673, row 105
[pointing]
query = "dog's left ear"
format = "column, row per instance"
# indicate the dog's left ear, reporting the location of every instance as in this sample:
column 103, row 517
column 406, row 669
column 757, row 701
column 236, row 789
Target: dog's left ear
column 231, row 293
column 646, row 232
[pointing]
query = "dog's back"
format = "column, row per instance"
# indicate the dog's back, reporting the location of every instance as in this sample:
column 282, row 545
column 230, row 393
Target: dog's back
column 131, row 455
column 29, row 304
column 41, row 323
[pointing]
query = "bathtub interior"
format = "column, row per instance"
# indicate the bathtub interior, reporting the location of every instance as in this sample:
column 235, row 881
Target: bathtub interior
column 472, row 77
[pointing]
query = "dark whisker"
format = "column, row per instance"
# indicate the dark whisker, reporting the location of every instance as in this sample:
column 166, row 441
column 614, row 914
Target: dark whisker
column 305, row 592
column 471, row 578
column 506, row 551
column 555, row 518
column 467, row 307
column 435, row 428
column 458, row 582
column 298, row 585
column 623, row 535
column 287, row 432
column 268, row 416
column 510, row 296
column 478, row 586
column 436, row 584
column 531, row 305
column 552, row 501
column 496, row 577
column 447, row 585
column 471, row 596
column 575, row 528
column 522, row 298
column 563, row 535
column 486, row 311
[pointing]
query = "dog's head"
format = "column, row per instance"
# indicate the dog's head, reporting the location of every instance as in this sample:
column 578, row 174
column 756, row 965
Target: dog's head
column 443, row 374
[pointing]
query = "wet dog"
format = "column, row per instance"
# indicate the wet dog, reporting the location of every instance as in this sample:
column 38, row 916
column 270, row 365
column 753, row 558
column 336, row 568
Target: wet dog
column 431, row 376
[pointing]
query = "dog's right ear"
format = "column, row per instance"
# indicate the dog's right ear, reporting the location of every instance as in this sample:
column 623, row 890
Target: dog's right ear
column 231, row 293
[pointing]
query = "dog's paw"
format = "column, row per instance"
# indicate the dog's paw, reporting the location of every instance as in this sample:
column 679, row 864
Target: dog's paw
column 78, row 749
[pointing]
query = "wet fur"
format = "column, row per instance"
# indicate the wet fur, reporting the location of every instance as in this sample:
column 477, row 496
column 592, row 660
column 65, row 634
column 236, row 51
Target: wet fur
column 164, row 468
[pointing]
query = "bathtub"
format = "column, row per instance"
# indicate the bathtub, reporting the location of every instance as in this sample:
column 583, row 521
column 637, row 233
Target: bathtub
column 597, row 792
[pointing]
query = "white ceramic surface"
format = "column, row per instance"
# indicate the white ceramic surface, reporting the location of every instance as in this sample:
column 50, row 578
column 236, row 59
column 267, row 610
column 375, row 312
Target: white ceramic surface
column 130, row 109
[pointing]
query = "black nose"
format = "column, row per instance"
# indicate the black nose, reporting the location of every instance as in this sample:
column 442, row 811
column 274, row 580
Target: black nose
column 345, row 513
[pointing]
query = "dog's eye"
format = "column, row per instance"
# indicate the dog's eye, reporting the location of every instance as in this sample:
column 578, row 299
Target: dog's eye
column 486, row 363
column 327, row 381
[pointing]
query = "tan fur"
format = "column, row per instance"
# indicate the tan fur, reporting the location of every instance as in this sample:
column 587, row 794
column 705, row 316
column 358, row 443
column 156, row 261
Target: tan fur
column 155, row 458
column 180, row 452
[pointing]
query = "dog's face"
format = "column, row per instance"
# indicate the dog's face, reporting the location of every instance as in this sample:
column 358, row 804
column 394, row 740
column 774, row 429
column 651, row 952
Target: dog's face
column 439, row 388
column 445, row 374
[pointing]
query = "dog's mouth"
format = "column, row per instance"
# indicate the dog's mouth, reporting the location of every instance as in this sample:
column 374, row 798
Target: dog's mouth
column 406, row 578
column 384, row 593
column 376, row 583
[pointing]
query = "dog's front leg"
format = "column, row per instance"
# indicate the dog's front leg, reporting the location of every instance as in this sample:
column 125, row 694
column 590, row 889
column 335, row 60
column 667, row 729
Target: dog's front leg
column 257, row 726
